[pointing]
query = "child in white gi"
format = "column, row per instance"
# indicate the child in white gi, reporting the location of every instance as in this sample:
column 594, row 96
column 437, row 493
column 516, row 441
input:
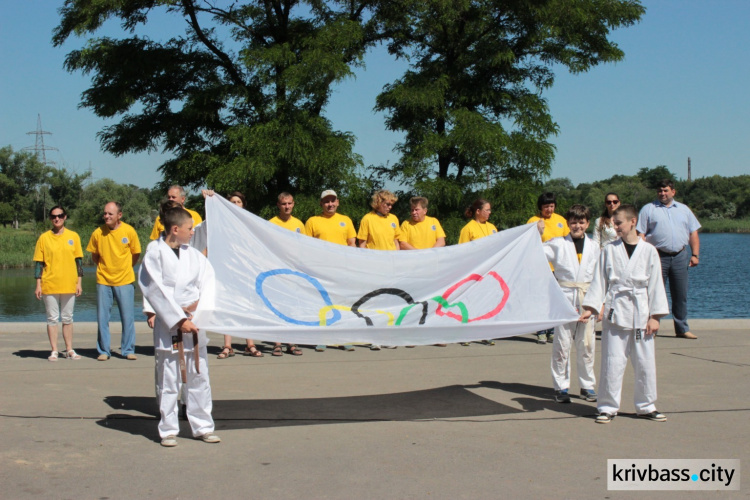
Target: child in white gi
column 628, row 281
column 173, row 277
column 574, row 257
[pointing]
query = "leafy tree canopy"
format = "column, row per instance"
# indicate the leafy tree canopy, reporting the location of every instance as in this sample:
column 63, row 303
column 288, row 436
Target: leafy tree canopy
column 238, row 98
column 471, row 101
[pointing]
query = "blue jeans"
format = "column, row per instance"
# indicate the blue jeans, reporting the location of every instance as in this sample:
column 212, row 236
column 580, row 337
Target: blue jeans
column 675, row 269
column 125, row 296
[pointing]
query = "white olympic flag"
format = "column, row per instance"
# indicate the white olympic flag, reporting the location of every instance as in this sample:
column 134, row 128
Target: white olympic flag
column 276, row 285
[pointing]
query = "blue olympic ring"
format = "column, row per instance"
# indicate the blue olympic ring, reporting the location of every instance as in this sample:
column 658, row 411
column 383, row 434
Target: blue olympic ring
column 315, row 283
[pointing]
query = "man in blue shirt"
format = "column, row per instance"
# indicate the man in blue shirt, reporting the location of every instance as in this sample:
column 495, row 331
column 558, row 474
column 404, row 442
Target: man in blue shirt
column 673, row 229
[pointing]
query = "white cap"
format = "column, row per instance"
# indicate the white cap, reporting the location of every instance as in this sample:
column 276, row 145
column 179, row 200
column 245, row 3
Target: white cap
column 328, row 192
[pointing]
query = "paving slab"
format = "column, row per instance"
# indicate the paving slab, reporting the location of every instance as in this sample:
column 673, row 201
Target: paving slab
column 454, row 422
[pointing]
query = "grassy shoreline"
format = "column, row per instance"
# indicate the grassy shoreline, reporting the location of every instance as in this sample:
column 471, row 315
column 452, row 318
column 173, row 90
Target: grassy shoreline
column 17, row 246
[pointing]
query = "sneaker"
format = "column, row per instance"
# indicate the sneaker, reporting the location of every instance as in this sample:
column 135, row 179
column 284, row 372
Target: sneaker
column 550, row 337
column 131, row 357
column 604, row 418
column 102, row 357
column 465, row 344
column 654, row 415
column 488, row 342
column 320, row 348
column 541, row 338
column 588, row 394
column 347, row 348
column 169, row 441
column 562, row 396
column 209, row 437
column 374, row 347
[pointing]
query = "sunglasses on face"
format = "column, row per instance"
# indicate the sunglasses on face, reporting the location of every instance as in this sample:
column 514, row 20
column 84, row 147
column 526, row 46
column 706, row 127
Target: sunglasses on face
column 57, row 216
column 612, row 202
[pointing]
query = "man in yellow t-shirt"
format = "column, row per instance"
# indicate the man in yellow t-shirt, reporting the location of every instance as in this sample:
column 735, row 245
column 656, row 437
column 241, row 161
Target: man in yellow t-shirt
column 331, row 226
column 379, row 230
column 421, row 231
column 555, row 226
column 175, row 193
column 115, row 250
column 285, row 219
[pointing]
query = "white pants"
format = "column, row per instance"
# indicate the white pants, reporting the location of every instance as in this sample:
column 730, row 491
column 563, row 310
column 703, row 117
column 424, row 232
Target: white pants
column 59, row 302
column 565, row 335
column 199, row 403
column 617, row 346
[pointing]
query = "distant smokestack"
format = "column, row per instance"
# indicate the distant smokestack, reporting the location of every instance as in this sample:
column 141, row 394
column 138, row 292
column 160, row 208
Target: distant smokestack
column 690, row 174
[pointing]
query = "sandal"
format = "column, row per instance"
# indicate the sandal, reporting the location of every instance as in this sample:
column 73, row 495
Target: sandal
column 252, row 351
column 71, row 354
column 293, row 350
column 226, row 352
column 277, row 351
column 53, row 356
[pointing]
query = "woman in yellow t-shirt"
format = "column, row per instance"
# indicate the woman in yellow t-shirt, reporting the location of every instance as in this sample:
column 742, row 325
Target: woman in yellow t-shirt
column 58, row 258
column 478, row 227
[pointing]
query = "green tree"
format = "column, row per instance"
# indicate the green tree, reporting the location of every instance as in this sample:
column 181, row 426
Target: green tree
column 22, row 179
column 136, row 209
column 652, row 176
column 471, row 102
column 65, row 187
column 238, row 99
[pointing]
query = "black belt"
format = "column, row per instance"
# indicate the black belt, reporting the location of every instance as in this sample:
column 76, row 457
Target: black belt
column 662, row 253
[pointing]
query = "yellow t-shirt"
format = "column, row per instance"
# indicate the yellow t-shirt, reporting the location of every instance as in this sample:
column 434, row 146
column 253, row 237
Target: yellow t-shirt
column 293, row 224
column 554, row 227
column 474, row 230
column 422, row 234
column 379, row 232
column 159, row 227
column 116, row 249
column 58, row 253
column 336, row 229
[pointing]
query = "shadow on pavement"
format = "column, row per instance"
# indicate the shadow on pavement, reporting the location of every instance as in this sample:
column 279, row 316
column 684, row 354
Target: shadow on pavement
column 450, row 402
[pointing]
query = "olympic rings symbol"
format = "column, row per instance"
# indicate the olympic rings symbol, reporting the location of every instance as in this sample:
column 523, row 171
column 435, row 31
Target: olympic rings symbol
column 334, row 309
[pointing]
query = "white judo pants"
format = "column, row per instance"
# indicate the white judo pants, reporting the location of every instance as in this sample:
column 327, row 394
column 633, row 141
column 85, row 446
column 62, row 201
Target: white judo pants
column 198, row 389
column 617, row 346
column 565, row 336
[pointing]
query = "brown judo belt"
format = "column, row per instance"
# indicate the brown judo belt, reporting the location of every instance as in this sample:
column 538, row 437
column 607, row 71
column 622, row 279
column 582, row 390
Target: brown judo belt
column 181, row 350
column 181, row 347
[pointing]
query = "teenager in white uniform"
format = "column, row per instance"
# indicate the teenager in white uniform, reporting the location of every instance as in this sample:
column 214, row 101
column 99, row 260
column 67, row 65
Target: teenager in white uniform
column 574, row 257
column 173, row 277
column 628, row 281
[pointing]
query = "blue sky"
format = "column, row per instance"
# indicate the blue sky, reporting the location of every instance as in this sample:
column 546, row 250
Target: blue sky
column 680, row 92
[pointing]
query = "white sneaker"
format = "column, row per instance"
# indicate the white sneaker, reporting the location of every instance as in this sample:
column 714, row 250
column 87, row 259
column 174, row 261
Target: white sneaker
column 374, row 347
column 169, row 441
column 209, row 437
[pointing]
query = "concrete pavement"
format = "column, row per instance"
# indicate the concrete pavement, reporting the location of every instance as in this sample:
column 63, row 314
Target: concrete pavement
column 442, row 423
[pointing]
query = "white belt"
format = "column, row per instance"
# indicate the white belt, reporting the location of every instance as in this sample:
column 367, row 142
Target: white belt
column 581, row 288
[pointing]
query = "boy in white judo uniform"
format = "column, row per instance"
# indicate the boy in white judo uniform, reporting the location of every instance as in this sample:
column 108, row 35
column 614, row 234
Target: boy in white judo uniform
column 574, row 257
column 173, row 277
column 628, row 281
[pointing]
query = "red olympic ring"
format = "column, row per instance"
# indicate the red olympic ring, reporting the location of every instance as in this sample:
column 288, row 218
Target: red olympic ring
column 475, row 277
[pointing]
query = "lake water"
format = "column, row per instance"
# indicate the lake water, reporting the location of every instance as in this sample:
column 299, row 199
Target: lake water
column 718, row 286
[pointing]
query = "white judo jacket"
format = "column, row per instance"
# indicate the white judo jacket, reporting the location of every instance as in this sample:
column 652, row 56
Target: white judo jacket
column 171, row 284
column 572, row 276
column 631, row 289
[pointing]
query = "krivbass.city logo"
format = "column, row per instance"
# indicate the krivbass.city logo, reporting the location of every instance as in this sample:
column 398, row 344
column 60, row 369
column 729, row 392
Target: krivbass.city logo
column 665, row 474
